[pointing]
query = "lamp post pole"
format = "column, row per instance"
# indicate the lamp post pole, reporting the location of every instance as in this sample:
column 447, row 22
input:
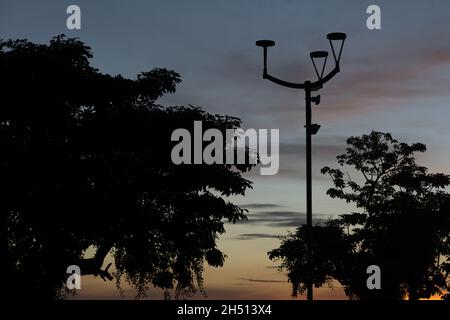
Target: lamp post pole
column 309, row 255
column 311, row 129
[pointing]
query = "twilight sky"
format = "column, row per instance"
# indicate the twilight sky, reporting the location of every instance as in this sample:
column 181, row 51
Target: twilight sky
column 395, row 79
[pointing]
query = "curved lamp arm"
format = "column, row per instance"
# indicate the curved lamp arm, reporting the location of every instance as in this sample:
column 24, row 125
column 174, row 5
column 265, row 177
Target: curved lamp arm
column 282, row 82
column 313, row 86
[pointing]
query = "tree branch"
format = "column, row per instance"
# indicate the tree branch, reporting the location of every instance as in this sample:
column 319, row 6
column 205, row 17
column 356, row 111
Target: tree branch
column 93, row 265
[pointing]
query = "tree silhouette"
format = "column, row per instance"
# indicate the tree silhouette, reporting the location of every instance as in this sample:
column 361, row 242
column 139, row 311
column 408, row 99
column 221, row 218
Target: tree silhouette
column 85, row 163
column 403, row 225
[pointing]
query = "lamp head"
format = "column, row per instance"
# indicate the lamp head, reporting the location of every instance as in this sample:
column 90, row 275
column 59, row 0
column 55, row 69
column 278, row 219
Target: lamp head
column 265, row 43
column 316, row 55
column 336, row 37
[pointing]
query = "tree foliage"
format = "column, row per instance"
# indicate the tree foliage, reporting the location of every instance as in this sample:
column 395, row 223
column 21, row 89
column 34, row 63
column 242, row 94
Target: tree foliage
column 86, row 164
column 402, row 225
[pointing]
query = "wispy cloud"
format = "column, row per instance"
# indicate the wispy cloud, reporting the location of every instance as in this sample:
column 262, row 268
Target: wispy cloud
column 262, row 280
column 388, row 78
column 383, row 77
column 292, row 157
column 326, row 150
column 254, row 236
column 282, row 219
column 260, row 205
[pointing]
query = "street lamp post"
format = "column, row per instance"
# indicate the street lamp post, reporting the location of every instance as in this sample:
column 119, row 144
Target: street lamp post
column 311, row 128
